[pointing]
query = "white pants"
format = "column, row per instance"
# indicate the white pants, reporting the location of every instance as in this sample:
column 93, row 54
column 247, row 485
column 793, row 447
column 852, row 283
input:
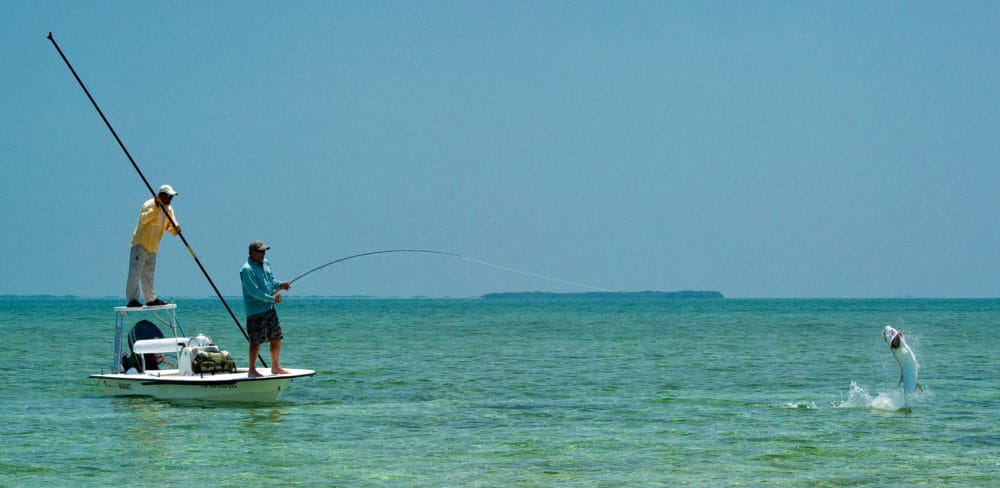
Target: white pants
column 141, row 266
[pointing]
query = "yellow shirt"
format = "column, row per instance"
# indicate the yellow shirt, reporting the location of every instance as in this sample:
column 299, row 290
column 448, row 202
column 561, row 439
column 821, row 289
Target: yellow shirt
column 152, row 223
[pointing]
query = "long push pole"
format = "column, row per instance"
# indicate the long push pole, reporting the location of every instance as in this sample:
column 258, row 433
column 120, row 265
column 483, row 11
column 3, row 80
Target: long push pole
column 150, row 188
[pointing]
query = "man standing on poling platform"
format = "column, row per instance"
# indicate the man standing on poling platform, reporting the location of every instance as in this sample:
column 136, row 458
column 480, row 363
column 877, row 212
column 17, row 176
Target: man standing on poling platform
column 146, row 243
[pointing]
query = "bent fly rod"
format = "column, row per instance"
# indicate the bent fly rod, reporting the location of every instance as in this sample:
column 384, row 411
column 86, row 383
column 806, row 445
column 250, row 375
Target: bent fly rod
column 451, row 254
column 317, row 268
column 150, row 188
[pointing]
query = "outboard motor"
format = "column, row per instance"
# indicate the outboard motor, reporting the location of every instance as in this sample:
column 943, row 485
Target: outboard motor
column 142, row 330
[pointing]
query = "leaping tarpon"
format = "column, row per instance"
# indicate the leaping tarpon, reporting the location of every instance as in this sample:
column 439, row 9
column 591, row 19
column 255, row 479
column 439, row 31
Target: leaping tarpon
column 907, row 360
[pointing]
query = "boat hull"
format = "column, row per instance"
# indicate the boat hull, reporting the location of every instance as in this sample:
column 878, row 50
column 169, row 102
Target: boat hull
column 224, row 387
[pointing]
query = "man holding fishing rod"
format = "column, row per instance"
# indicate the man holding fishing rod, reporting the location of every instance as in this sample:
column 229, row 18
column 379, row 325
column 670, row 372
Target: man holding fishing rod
column 260, row 295
column 146, row 243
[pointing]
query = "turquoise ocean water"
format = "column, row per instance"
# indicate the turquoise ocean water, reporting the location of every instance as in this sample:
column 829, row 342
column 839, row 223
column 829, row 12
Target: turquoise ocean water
column 518, row 392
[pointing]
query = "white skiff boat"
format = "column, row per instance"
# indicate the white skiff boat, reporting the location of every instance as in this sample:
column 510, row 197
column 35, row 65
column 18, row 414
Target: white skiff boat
column 195, row 369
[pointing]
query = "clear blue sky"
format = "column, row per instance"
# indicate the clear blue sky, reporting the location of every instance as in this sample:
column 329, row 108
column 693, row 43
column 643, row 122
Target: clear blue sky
column 761, row 149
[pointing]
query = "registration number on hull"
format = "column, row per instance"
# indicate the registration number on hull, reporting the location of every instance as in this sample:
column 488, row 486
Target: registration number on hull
column 121, row 386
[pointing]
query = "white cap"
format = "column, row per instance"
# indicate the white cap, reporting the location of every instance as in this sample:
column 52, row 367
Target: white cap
column 169, row 190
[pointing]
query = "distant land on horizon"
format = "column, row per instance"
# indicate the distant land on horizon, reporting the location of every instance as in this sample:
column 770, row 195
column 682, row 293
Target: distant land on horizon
column 610, row 294
column 40, row 297
column 645, row 295
column 684, row 294
column 508, row 294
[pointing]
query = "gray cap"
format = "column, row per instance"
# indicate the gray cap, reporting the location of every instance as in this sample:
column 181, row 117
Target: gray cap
column 259, row 246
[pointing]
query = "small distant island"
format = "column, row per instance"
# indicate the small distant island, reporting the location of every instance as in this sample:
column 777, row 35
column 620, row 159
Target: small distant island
column 38, row 297
column 644, row 295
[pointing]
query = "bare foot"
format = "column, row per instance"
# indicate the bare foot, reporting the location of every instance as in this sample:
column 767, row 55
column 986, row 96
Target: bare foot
column 253, row 374
column 279, row 371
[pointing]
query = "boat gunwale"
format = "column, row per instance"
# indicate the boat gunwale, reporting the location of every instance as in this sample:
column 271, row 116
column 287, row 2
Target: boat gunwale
column 201, row 380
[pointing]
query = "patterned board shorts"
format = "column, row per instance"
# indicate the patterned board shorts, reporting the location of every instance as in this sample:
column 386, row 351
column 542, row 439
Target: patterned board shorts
column 264, row 327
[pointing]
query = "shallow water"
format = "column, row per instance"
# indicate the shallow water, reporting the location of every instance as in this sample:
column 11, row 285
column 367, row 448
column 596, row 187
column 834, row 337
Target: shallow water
column 558, row 392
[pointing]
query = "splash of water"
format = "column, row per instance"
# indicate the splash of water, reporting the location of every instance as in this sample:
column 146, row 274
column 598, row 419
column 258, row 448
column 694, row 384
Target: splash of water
column 802, row 405
column 859, row 397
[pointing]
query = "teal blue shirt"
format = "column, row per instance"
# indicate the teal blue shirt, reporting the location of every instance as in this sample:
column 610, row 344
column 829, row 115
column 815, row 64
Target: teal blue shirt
column 259, row 286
